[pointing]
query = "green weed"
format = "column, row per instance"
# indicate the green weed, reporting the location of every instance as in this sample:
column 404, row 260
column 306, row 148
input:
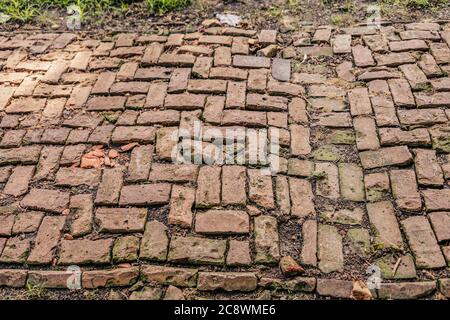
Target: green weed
column 163, row 6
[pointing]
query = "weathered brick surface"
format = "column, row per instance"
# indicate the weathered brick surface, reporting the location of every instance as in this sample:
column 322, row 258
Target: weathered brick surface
column 385, row 157
column 97, row 142
column 46, row 200
column 210, row 281
column 423, row 243
column 382, row 218
column 266, row 240
column 222, row 222
column 85, row 251
column 208, row 187
column 121, row 220
column 195, row 250
column 404, row 190
column 145, row 194
column 82, row 207
column 154, row 242
column 330, row 256
column 110, row 278
column 180, row 277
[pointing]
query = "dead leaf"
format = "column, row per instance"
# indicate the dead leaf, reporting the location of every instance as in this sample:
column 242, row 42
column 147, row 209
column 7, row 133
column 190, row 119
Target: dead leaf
column 360, row 291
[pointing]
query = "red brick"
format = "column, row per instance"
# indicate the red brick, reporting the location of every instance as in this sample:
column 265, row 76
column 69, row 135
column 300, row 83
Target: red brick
column 181, row 202
column 133, row 87
column 300, row 144
column 383, row 220
column 385, row 157
column 422, row 117
column 228, row 73
column 213, row 109
column 73, row 177
column 155, row 242
column 423, row 243
column 179, row 80
column 436, row 199
column 397, row 136
column 441, row 52
column 85, row 251
column 222, row 57
column 127, row 134
column 82, row 207
column 362, row 56
column 15, row 278
column 110, row 278
column 238, row 253
column 121, row 220
column 359, row 102
column 207, row 86
column 212, row 39
column 185, row 101
column 441, row 225
column 366, row 133
column 152, row 54
column 208, row 187
column 179, row 60
column 233, row 185
column 416, row 78
column 154, row 73
column 145, row 194
column 202, row 66
column 106, row 103
column 428, row 170
column 222, row 222
column 250, row 62
column 110, row 186
column 47, row 240
column 244, row 118
column 236, row 95
column 46, row 200
column 260, row 189
column 19, row 180
column 394, row 59
column 173, row 172
column 266, row 240
column 25, row 105
column 302, row 197
column 16, row 250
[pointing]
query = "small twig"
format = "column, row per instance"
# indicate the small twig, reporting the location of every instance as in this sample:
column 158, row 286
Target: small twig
column 397, row 264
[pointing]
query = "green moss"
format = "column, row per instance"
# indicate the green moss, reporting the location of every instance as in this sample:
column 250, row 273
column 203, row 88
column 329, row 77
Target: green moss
column 162, row 6
column 404, row 270
column 327, row 153
column 111, row 117
column 360, row 239
column 441, row 144
column 343, row 137
column 375, row 194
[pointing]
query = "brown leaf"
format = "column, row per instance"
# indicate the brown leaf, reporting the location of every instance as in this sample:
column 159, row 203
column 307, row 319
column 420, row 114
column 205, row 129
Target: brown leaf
column 360, row 291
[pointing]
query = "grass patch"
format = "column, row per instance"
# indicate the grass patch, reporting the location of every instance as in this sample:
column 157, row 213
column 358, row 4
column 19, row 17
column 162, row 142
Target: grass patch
column 34, row 291
column 25, row 10
column 163, row 6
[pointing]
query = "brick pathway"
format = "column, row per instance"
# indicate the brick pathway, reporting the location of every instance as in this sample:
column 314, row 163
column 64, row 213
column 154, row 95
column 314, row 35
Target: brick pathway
column 87, row 177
